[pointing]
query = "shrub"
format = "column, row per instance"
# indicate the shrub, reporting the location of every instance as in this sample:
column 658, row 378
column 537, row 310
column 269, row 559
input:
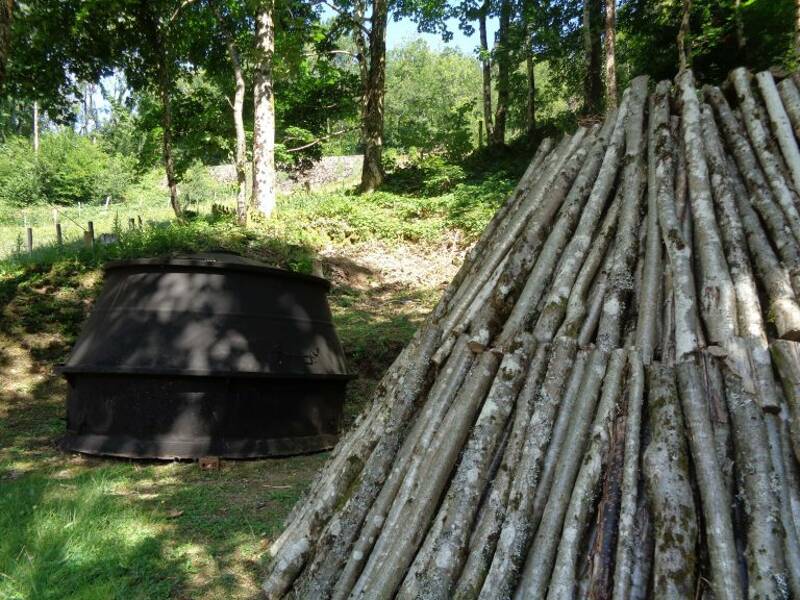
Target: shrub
column 68, row 169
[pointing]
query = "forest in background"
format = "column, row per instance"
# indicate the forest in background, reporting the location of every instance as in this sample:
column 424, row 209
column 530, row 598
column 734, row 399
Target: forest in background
column 98, row 95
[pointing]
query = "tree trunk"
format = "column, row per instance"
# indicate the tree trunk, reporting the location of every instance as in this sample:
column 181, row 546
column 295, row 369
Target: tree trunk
column 264, row 106
column 592, row 82
column 684, row 45
column 503, row 57
column 6, row 14
column 486, row 68
column 35, row 127
column 797, row 30
column 165, row 94
column 611, row 56
column 530, row 108
column 741, row 40
column 241, row 140
column 372, row 173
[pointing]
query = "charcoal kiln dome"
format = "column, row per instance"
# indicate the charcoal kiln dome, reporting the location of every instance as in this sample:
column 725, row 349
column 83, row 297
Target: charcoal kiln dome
column 205, row 354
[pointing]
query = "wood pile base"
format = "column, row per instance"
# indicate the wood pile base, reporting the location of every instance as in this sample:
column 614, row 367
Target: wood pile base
column 606, row 401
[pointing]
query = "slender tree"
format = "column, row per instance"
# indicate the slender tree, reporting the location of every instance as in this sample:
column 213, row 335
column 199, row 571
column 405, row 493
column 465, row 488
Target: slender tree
column 503, row 59
column 264, row 112
column 611, row 58
column 486, row 69
column 592, row 83
column 372, row 172
column 684, row 44
column 237, row 106
column 6, row 13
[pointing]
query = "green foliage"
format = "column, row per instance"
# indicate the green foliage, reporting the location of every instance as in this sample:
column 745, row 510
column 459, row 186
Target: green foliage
column 431, row 100
column 68, row 169
column 427, row 175
column 197, row 187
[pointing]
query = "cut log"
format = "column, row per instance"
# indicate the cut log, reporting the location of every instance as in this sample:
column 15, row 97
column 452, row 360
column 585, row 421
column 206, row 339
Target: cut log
column 787, row 358
column 669, row 490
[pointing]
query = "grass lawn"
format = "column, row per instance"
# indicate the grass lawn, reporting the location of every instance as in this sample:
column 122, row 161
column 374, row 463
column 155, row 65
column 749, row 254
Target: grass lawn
column 79, row 527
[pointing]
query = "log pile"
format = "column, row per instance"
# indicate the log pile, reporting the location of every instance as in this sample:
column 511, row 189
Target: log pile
column 606, row 401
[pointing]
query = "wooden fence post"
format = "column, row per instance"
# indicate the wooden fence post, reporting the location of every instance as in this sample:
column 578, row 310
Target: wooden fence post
column 140, row 220
column 59, row 237
column 88, row 236
column 131, row 223
column 30, row 240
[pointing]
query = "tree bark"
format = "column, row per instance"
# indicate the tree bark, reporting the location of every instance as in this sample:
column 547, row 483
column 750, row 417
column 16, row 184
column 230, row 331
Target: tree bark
column 165, row 95
column 36, row 127
column 264, row 106
column 787, row 359
column 372, row 173
column 486, row 71
column 592, row 82
column 669, row 490
column 502, row 53
column 684, row 43
column 716, row 295
column 6, row 16
column 611, row 55
column 241, row 141
column 714, row 496
column 530, row 106
column 797, row 30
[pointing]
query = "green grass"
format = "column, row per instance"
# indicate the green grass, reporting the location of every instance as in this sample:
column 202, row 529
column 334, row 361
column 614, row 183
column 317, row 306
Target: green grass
column 79, row 527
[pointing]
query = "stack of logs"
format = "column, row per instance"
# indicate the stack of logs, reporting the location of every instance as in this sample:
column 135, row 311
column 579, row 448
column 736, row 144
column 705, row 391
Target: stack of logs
column 606, row 401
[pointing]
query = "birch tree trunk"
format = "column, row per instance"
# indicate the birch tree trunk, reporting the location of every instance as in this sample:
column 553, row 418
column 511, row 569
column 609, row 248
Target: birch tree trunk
column 611, row 56
column 264, row 112
column 241, row 140
column 372, row 171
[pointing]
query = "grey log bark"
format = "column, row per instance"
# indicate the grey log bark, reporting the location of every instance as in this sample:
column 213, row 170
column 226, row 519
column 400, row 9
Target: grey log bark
column 561, row 233
column 761, row 146
column 562, row 580
column 781, row 126
column 669, row 491
column 579, row 245
column 539, row 563
column 784, row 310
column 625, row 246
column 623, row 565
column 760, row 195
column 466, row 487
column 713, row 494
column 678, row 251
column 791, row 102
column 408, row 463
column 487, row 532
column 333, row 546
column 787, row 358
column 767, row 576
column 716, row 294
column 651, row 276
column 519, row 523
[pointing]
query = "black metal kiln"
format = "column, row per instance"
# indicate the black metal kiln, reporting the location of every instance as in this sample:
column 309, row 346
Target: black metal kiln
column 207, row 354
